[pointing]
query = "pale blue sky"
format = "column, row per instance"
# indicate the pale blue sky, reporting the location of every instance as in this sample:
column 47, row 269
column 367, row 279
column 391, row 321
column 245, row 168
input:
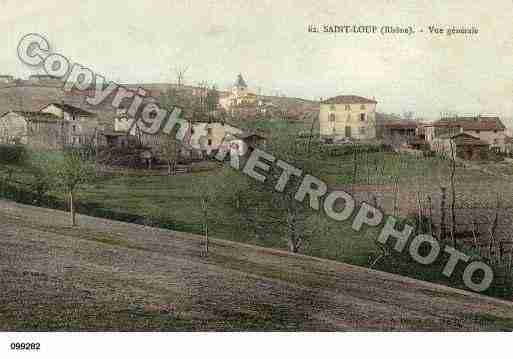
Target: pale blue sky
column 137, row 41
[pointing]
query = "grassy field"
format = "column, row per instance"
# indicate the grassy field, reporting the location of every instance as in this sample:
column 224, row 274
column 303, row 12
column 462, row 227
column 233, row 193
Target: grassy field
column 177, row 199
column 115, row 276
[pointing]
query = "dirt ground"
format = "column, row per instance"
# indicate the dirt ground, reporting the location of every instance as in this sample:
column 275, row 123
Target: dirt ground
column 115, row 276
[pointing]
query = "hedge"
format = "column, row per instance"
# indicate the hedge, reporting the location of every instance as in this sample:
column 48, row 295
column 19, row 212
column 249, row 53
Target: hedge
column 12, row 154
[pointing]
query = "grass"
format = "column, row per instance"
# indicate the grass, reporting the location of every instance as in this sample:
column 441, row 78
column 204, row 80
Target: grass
column 177, row 199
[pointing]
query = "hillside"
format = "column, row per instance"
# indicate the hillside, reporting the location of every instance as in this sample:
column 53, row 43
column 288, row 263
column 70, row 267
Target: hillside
column 117, row 276
column 33, row 98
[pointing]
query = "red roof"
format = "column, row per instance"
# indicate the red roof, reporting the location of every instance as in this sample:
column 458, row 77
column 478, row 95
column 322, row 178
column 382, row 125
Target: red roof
column 472, row 123
column 401, row 125
column 348, row 99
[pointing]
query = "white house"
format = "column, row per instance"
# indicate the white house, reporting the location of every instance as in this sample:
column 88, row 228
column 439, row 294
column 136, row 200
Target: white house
column 348, row 116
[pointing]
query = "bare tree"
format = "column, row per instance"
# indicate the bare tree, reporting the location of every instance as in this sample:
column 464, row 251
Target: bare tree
column 453, row 192
column 207, row 194
column 265, row 210
column 169, row 150
column 180, row 72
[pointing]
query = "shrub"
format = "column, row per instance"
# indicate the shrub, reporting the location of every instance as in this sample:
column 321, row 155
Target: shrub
column 12, row 154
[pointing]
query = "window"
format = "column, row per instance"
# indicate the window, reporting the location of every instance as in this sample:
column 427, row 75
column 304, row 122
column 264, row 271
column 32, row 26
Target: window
column 362, row 117
column 210, row 142
column 362, row 107
column 74, row 128
column 153, row 114
column 347, row 107
column 478, row 132
column 209, row 131
column 494, row 131
column 192, row 130
column 332, row 117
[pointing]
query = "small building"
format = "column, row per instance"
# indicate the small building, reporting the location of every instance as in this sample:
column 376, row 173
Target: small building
column 462, row 145
column 397, row 132
column 210, row 135
column 35, row 129
column 117, row 139
column 349, row 116
column 83, row 125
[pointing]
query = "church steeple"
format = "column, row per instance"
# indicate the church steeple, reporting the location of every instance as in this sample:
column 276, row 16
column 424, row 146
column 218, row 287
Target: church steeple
column 240, row 83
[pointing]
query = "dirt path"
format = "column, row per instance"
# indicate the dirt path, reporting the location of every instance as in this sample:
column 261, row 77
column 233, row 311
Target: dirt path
column 117, row 276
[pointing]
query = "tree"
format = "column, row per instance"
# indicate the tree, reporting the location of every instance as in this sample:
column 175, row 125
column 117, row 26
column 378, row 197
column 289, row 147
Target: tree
column 453, row 191
column 42, row 180
column 170, row 147
column 207, row 197
column 180, row 74
column 70, row 173
column 212, row 99
column 266, row 210
column 170, row 151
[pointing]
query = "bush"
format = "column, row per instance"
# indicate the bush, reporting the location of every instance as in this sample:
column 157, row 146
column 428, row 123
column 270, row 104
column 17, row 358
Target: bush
column 12, row 154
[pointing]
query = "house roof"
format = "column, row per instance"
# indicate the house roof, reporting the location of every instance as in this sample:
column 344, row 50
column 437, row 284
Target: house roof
column 464, row 139
column 71, row 109
column 472, row 123
column 347, row 99
column 401, row 125
column 36, row 116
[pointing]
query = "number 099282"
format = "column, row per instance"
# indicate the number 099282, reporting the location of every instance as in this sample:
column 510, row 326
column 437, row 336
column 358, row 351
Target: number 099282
column 25, row 346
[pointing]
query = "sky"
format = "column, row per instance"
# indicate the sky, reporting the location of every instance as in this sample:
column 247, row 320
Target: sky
column 268, row 42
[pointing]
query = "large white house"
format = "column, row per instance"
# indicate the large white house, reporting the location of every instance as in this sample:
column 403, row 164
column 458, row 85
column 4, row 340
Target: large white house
column 348, row 116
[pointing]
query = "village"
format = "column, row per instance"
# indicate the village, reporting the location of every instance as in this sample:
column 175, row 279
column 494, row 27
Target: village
column 449, row 176
column 342, row 119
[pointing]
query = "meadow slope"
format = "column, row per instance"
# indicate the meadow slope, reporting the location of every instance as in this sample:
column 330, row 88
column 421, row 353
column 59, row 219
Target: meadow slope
column 109, row 275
